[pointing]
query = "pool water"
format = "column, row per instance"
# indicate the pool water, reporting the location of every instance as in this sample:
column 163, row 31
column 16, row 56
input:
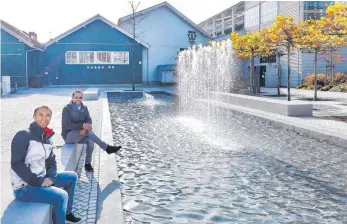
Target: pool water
column 225, row 169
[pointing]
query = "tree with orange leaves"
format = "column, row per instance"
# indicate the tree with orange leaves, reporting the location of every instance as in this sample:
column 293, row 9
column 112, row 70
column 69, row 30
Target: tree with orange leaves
column 335, row 23
column 284, row 33
column 248, row 47
column 313, row 39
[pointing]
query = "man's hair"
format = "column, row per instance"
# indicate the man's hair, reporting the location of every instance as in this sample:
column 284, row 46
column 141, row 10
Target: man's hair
column 44, row 107
column 77, row 91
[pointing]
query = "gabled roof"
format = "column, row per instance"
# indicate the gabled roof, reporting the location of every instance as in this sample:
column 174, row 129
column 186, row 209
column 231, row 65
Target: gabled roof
column 96, row 17
column 21, row 35
column 173, row 9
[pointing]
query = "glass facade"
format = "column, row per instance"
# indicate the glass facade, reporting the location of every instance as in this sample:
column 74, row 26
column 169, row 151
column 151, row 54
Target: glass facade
column 239, row 17
column 218, row 25
column 268, row 11
column 315, row 9
column 252, row 17
column 228, row 21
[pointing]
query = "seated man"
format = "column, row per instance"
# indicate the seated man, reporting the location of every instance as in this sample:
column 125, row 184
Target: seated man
column 34, row 175
column 77, row 128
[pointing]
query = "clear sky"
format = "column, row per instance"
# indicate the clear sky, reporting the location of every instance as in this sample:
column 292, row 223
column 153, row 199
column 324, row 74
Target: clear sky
column 50, row 18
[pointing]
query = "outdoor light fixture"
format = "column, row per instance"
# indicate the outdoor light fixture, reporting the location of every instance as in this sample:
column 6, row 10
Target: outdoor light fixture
column 191, row 37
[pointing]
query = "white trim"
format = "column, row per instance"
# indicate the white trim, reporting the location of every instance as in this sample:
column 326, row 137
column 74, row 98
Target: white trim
column 96, row 61
column 90, row 21
column 11, row 54
column 183, row 17
column 19, row 37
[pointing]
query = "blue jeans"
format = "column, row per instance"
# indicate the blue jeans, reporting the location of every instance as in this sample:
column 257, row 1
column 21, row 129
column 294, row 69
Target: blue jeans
column 89, row 139
column 60, row 199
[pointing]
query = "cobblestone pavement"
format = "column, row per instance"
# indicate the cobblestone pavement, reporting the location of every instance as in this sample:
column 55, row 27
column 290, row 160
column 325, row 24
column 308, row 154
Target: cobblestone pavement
column 86, row 191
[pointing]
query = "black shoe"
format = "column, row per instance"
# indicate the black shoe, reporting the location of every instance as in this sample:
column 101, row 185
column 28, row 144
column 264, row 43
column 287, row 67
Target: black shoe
column 112, row 149
column 72, row 218
column 88, row 168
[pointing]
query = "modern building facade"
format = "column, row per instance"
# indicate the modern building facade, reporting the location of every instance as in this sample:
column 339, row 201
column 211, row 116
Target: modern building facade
column 254, row 15
column 167, row 31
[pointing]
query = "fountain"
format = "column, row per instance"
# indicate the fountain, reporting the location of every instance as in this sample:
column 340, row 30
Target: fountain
column 194, row 162
column 202, row 70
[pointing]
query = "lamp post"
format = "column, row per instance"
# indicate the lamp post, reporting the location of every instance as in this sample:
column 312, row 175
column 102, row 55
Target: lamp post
column 191, row 37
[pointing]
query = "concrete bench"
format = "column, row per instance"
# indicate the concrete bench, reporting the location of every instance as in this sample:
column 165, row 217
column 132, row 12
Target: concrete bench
column 91, row 94
column 38, row 213
column 287, row 108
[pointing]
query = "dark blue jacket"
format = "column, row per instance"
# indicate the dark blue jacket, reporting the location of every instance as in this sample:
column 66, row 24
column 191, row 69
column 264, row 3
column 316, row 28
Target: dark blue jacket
column 73, row 118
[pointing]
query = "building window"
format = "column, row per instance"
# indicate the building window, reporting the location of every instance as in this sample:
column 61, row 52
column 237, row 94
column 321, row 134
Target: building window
column 103, row 57
column 239, row 17
column 315, row 9
column 97, row 57
column 218, row 25
column 86, row 57
column 268, row 11
column 252, row 17
column 228, row 21
column 218, row 33
column 71, row 57
column 268, row 59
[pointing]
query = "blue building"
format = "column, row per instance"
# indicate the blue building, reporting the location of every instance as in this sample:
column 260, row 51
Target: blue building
column 21, row 54
column 167, row 31
column 96, row 51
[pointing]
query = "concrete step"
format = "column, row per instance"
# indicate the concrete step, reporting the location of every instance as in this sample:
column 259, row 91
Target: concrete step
column 67, row 159
column 91, row 94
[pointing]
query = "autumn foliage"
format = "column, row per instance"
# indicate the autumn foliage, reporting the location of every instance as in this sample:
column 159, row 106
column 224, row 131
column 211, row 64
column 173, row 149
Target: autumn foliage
column 327, row 34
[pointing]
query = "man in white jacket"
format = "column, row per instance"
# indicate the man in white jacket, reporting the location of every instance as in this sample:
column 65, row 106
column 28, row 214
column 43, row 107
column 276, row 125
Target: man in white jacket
column 34, row 175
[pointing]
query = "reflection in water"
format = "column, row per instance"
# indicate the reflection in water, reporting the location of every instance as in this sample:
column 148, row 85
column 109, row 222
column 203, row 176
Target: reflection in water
column 186, row 170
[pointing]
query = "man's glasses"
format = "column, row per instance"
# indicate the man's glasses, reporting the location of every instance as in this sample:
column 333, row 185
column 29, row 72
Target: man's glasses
column 78, row 97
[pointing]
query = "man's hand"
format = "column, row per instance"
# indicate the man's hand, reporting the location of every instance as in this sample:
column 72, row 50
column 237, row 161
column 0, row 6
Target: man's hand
column 47, row 182
column 83, row 132
column 87, row 127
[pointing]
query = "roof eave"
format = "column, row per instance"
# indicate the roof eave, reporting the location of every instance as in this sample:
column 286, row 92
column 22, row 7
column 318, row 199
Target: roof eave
column 55, row 40
column 185, row 18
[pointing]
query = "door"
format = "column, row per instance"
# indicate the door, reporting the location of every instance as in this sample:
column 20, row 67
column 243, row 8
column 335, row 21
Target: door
column 262, row 74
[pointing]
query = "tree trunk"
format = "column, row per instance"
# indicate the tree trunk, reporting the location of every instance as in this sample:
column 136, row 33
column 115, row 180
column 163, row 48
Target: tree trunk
column 315, row 75
column 278, row 75
column 288, row 72
column 326, row 76
column 331, row 67
column 251, row 76
column 134, row 68
column 332, row 73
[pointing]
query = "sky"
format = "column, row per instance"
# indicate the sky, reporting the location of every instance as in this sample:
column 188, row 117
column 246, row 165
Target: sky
column 50, row 18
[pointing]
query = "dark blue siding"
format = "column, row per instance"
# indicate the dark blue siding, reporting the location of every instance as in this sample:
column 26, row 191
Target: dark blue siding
column 96, row 36
column 13, row 59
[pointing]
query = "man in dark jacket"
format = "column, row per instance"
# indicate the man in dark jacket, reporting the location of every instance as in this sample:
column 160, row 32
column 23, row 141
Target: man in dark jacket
column 77, row 128
column 34, row 175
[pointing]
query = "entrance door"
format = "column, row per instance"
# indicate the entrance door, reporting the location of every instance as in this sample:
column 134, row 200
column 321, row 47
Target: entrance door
column 262, row 74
